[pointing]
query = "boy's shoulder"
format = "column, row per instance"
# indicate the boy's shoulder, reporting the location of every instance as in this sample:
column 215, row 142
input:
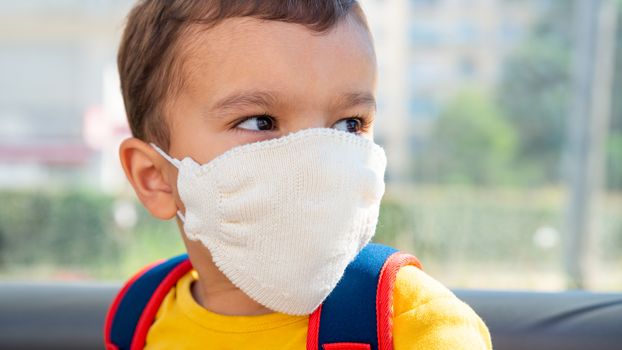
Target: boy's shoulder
column 414, row 287
column 427, row 312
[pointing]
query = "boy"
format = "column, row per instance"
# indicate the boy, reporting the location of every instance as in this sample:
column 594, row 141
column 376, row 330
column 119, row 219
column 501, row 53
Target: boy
column 253, row 123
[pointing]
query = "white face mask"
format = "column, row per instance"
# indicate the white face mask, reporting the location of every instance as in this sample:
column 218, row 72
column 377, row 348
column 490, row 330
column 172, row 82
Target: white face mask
column 283, row 218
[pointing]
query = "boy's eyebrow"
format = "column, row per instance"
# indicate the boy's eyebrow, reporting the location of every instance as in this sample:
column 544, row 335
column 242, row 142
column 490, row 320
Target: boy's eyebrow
column 239, row 99
column 266, row 99
column 353, row 99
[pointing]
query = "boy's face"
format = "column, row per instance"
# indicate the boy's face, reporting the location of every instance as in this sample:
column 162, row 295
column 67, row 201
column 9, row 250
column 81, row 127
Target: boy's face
column 249, row 80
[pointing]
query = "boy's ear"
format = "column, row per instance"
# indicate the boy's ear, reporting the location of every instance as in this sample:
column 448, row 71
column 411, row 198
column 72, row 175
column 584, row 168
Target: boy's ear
column 151, row 176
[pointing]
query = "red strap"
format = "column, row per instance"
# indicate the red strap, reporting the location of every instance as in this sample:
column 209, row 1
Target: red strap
column 384, row 296
column 384, row 308
column 346, row 346
column 313, row 331
column 148, row 315
column 112, row 310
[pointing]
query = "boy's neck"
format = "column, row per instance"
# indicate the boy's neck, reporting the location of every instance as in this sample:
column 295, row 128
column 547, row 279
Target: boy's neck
column 213, row 290
column 227, row 302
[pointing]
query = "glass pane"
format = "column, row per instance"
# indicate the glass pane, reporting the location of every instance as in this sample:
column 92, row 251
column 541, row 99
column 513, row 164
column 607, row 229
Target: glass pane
column 499, row 117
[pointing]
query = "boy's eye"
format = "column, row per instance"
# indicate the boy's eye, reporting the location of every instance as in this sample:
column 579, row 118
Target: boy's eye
column 352, row 125
column 257, row 123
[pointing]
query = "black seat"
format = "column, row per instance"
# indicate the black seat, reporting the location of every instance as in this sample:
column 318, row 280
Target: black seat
column 71, row 316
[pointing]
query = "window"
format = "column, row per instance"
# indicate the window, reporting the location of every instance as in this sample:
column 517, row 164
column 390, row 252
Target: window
column 490, row 191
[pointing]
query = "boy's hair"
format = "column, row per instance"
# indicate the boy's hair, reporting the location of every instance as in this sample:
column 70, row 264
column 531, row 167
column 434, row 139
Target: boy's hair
column 149, row 65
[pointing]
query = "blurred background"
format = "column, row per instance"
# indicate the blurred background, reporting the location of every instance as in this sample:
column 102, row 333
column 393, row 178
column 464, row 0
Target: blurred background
column 499, row 117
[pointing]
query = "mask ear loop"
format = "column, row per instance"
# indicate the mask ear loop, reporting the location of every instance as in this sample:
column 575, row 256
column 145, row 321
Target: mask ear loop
column 177, row 164
column 181, row 217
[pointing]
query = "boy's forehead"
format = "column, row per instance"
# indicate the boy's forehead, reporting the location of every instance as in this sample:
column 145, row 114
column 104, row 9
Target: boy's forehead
column 242, row 32
column 253, row 53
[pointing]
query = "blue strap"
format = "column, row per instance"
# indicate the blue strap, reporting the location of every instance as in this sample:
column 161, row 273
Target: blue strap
column 135, row 300
column 349, row 312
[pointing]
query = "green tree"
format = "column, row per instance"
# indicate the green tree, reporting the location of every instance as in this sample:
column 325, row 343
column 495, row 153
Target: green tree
column 535, row 94
column 471, row 143
column 614, row 144
column 535, row 91
column 614, row 160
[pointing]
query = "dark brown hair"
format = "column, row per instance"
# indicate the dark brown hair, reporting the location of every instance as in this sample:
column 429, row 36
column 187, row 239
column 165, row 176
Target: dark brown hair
column 147, row 60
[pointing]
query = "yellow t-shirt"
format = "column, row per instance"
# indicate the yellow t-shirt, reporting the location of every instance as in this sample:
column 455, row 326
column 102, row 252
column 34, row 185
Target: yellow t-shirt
column 426, row 316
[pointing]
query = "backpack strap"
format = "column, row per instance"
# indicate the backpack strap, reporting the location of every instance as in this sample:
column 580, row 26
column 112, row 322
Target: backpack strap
column 133, row 310
column 358, row 313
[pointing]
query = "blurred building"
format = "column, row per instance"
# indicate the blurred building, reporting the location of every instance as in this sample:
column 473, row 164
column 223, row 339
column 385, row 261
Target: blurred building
column 427, row 51
column 54, row 60
column 61, row 116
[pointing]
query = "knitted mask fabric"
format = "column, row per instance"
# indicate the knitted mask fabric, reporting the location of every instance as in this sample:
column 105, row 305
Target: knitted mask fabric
column 282, row 218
